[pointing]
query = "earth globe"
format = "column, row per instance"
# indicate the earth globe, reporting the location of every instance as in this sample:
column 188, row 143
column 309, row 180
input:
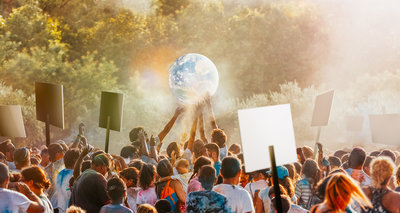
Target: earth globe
column 191, row 77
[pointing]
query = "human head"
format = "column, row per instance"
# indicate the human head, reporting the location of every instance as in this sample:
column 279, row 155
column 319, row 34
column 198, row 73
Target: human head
column 375, row 153
column 334, row 162
column 4, row 175
column 75, row 209
column 182, row 166
column 137, row 163
column 173, row 147
column 101, row 164
column 87, row 164
column 339, row 153
column 200, row 162
column 3, row 158
column 129, row 152
column 7, row 148
column 235, row 148
column 389, row 154
column 311, row 170
column 207, row 177
column 134, row 134
column 285, row 201
column 22, row 158
column 116, row 189
column 298, row 166
column 231, row 168
column 45, row 157
column 357, row 158
column 367, row 165
column 271, row 192
column 292, row 171
column 212, row 151
column 163, row 206
column 70, row 158
column 198, row 149
column 285, row 181
column 35, row 178
column 147, row 176
column 340, row 190
column 382, row 170
column 146, row 208
column 308, row 152
column 56, row 152
column 164, row 168
column 130, row 175
column 218, row 136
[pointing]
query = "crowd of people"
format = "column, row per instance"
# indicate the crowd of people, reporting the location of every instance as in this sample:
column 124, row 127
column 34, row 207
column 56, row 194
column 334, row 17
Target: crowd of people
column 198, row 175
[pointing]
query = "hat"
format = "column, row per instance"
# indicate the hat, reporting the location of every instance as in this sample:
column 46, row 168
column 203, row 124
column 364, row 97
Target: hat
column 282, row 172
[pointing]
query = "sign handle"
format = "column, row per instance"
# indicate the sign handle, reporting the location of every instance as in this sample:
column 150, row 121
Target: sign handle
column 316, row 141
column 275, row 180
column 47, row 130
column 107, row 134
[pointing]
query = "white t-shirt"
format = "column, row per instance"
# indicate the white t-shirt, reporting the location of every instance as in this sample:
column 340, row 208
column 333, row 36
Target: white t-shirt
column 12, row 201
column 239, row 200
column 256, row 186
column 223, row 152
column 63, row 191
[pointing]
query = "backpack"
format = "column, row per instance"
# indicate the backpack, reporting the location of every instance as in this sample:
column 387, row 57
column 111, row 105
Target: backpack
column 169, row 194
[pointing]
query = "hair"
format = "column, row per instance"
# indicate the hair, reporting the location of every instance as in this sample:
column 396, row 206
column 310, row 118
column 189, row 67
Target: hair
column 292, row 171
column 34, row 160
column 230, row 167
column 198, row 147
column 134, row 133
column 311, row 170
column 101, row 160
column 87, row 164
column 235, row 148
column 382, row 169
column 130, row 173
column 75, row 209
column 128, row 151
column 241, row 157
column 146, row 176
column 146, row 208
column 368, row 161
column 116, row 188
column 345, row 158
column 212, row 147
column 288, row 184
column 398, row 176
column 70, row 157
column 218, row 136
column 45, row 151
column 340, row 190
column 334, row 161
column 308, row 152
column 21, row 157
column 137, row 163
column 2, row 157
column 285, row 201
column 163, row 206
column 182, row 163
column 298, row 166
column 281, row 189
column 173, row 146
column 164, row 168
column 375, row 153
column 54, row 149
column 4, row 148
column 357, row 157
column 4, row 173
column 207, row 177
column 98, row 152
column 339, row 153
column 200, row 162
column 38, row 176
column 388, row 153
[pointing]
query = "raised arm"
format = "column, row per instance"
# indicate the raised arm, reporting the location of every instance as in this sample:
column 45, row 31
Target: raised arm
column 202, row 129
column 78, row 163
column 210, row 110
column 192, row 133
column 142, row 140
column 153, row 152
column 170, row 124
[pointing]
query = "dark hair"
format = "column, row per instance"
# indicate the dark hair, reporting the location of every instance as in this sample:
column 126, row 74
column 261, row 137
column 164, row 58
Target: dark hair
column 298, row 166
column 164, row 168
column 357, row 157
column 4, row 173
column 21, row 157
column 200, row 162
column 285, row 201
column 4, row 148
column 213, row 147
column 173, row 147
column 137, row 163
column 334, row 161
column 241, row 157
column 128, row 151
column 368, row 161
column 218, row 136
column 311, row 170
column 292, row 171
column 389, row 154
column 130, row 173
column 45, row 151
column 134, row 133
column 375, row 153
column 281, row 189
column 339, row 153
column 54, row 149
column 116, row 188
column 207, row 177
column 198, row 148
column 101, row 160
column 146, row 176
column 38, row 176
column 345, row 158
column 230, row 167
column 70, row 158
column 98, row 152
column 87, row 164
column 163, row 206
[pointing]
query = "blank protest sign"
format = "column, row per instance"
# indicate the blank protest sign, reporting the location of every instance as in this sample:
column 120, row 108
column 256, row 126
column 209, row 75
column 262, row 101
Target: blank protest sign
column 322, row 109
column 11, row 122
column 385, row 128
column 265, row 126
column 111, row 105
column 50, row 102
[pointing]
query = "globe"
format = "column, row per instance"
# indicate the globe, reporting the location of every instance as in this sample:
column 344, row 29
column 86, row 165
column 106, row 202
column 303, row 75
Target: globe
column 191, row 77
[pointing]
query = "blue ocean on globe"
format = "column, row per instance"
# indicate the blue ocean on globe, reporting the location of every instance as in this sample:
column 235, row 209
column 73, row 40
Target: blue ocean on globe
column 191, row 77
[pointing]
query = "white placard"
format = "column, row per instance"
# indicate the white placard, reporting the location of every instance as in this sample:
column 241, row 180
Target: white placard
column 11, row 122
column 322, row 109
column 265, row 126
column 385, row 128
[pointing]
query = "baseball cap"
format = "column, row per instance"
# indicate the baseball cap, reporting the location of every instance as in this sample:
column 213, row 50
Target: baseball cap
column 282, row 172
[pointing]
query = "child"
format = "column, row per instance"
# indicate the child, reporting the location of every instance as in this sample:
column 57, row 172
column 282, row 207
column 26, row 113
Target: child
column 182, row 173
column 116, row 190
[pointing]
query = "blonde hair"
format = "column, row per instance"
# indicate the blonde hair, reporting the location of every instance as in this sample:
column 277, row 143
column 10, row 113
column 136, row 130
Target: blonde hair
column 341, row 189
column 75, row 209
column 146, row 208
column 382, row 170
column 182, row 163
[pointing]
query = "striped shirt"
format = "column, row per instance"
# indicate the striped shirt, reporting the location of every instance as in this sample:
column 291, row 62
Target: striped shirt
column 303, row 192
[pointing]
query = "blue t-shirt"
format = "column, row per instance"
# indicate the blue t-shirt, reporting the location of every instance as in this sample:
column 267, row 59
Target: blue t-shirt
column 110, row 208
column 217, row 167
column 206, row 201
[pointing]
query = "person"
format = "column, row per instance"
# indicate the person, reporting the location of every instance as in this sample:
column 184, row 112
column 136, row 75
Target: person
column 285, row 202
column 213, row 153
column 239, row 200
column 259, row 183
column 356, row 162
column 334, row 163
column 382, row 197
column 292, row 208
column 397, row 189
column 116, row 190
column 63, row 191
column 194, row 184
column 56, row 153
column 11, row 201
column 306, row 187
column 308, row 152
column 147, row 193
column 44, row 154
column 90, row 188
column 182, row 173
column 340, row 191
column 219, row 137
column 292, row 172
column 21, row 159
column 235, row 149
column 367, row 165
column 168, row 188
column 130, row 176
column 37, row 182
column 146, row 208
column 163, row 206
column 75, row 209
column 128, row 153
column 207, row 200
column 8, row 148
